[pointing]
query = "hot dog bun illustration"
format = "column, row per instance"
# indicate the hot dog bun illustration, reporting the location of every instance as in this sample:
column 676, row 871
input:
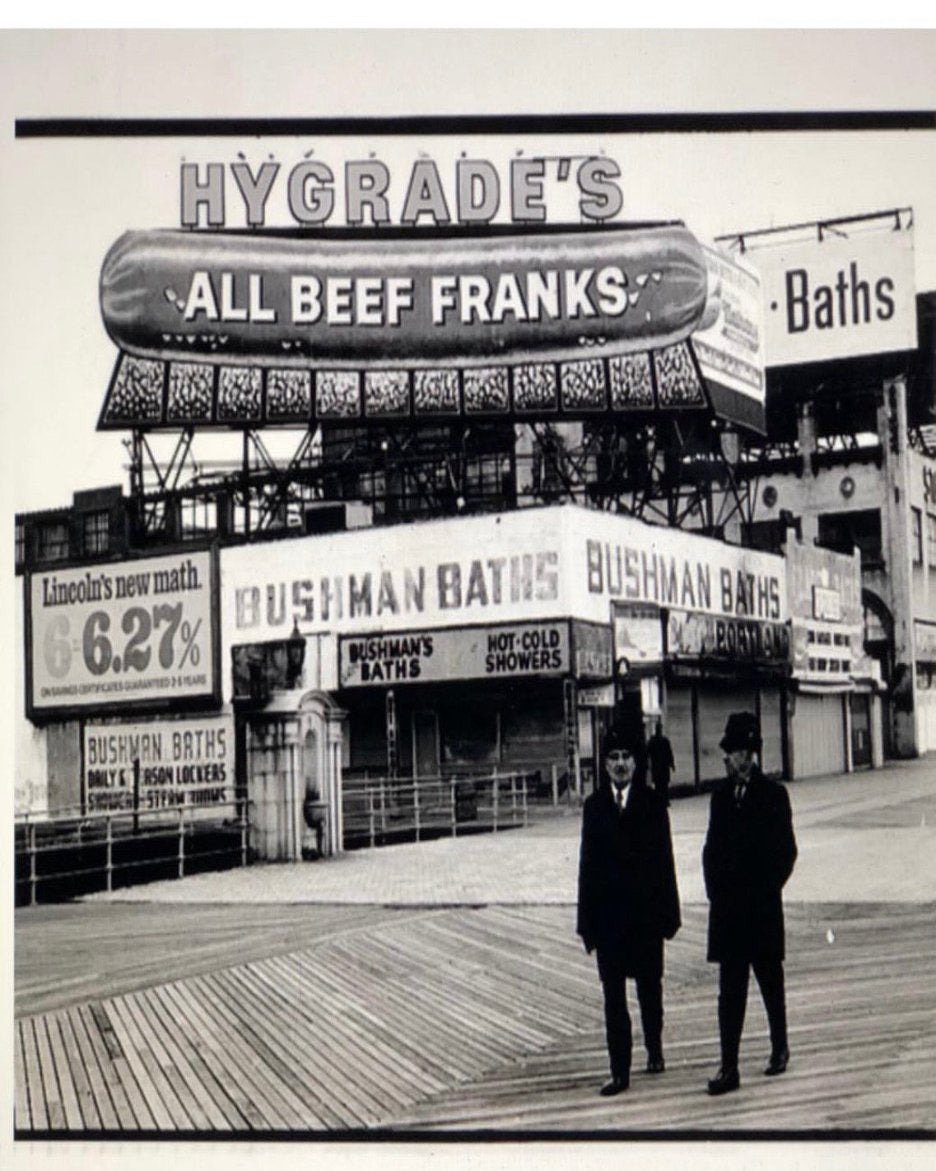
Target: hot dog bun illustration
column 220, row 296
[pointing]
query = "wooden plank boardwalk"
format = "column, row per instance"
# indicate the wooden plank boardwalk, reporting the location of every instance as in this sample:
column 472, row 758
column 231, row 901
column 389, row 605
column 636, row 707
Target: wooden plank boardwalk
column 469, row 1020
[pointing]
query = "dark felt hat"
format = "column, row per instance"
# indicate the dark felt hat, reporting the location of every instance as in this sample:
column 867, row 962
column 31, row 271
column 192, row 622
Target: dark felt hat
column 741, row 731
column 627, row 736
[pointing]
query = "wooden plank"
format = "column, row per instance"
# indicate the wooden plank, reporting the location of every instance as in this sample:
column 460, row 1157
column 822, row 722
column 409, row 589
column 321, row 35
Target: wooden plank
column 97, row 1084
column 359, row 1015
column 132, row 1112
column 50, row 1088
column 270, row 1076
column 297, row 1056
column 186, row 1060
column 64, row 1074
column 343, row 1028
column 183, row 1105
column 21, row 1115
column 266, row 1110
column 126, row 1035
column 351, row 1065
column 219, row 1059
column 89, row 1116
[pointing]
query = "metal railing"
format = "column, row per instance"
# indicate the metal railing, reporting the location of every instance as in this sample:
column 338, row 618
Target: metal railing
column 67, row 855
column 382, row 810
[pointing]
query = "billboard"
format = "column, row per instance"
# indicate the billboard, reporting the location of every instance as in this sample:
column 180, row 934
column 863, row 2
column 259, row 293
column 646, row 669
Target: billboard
column 839, row 296
column 729, row 343
column 129, row 634
column 165, row 762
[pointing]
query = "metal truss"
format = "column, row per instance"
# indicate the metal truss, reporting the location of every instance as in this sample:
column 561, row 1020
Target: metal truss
column 684, row 472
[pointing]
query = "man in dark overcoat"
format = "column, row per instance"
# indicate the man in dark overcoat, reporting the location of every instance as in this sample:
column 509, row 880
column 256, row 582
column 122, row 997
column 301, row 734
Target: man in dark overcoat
column 747, row 858
column 628, row 901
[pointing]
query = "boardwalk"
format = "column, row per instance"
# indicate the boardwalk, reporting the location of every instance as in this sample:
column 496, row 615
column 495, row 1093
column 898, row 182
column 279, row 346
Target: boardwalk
column 240, row 1019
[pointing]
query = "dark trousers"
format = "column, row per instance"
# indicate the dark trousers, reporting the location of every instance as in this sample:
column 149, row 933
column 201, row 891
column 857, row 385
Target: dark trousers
column 661, row 785
column 732, row 1002
column 618, row 1031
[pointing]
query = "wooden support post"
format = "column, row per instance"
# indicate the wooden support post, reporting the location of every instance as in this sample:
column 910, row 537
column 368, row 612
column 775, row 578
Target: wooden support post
column 243, row 830
column 181, row 841
column 453, row 806
column 554, row 780
column 416, row 805
column 370, row 815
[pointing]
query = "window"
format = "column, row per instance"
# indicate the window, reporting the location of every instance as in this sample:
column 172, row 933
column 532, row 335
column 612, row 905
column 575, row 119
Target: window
column 916, row 536
column 931, row 539
column 20, row 538
column 96, row 532
column 53, row 541
column 842, row 531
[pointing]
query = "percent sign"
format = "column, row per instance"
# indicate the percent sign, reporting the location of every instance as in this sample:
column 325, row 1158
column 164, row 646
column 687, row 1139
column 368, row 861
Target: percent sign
column 190, row 649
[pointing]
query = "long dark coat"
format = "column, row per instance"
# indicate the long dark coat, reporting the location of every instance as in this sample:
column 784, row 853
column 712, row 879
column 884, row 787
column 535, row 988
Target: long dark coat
column 747, row 857
column 628, row 901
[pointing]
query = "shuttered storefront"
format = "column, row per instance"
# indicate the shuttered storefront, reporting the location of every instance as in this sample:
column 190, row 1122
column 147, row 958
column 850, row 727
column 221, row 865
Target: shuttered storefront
column 926, row 713
column 678, row 729
column 818, row 735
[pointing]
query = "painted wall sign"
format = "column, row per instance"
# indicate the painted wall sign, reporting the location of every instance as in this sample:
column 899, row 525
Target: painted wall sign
column 127, row 633
column 672, row 568
column 702, row 636
column 431, row 656
column 838, row 297
column 219, row 296
column 181, row 762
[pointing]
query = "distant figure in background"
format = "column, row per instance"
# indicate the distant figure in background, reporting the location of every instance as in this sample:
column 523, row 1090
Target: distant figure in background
column 662, row 763
column 748, row 855
column 628, row 901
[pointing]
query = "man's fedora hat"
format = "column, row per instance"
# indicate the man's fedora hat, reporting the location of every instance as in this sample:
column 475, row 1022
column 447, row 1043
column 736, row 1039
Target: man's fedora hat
column 741, row 731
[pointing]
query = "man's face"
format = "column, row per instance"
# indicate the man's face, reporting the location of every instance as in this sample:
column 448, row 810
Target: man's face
column 739, row 763
column 620, row 765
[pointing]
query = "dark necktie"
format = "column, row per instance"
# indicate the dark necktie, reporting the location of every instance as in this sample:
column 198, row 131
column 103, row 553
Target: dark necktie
column 740, row 789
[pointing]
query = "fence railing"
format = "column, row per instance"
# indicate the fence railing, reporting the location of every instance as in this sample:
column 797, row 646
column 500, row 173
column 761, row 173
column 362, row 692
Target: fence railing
column 381, row 810
column 68, row 855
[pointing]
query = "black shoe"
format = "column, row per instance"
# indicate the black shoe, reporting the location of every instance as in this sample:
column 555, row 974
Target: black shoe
column 617, row 1085
column 656, row 1064
column 724, row 1082
column 778, row 1063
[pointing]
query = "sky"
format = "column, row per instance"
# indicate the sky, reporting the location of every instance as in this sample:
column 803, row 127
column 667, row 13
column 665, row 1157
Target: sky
column 65, row 201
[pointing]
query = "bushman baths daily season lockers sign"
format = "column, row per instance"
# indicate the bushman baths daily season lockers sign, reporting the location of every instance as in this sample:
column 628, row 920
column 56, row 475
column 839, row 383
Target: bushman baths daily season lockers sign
column 124, row 633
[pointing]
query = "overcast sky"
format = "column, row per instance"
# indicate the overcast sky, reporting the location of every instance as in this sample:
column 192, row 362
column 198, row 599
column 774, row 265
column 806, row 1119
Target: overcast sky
column 65, row 201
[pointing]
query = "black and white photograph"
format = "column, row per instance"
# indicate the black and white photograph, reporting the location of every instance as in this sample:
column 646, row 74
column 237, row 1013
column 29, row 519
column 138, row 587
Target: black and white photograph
column 472, row 622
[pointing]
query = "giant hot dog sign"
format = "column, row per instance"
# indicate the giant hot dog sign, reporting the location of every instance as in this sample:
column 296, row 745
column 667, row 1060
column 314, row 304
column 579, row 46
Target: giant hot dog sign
column 235, row 329
column 286, row 300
